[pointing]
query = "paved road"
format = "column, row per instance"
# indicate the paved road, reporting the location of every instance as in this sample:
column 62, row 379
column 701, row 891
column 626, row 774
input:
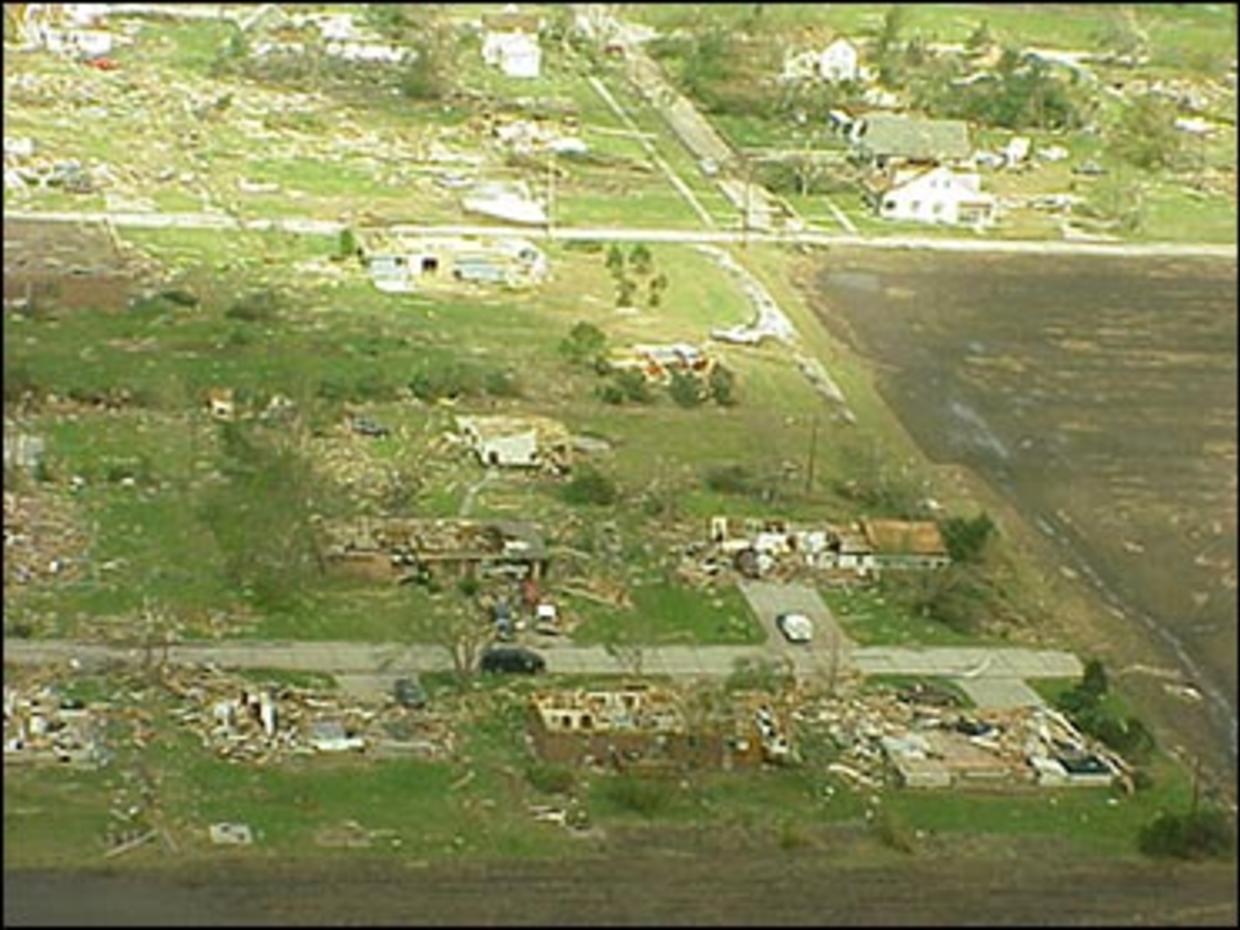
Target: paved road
column 351, row 658
column 306, row 226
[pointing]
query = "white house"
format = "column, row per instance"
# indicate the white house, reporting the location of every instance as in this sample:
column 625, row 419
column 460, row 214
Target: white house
column 838, row 61
column 518, row 442
column 935, row 195
column 511, row 43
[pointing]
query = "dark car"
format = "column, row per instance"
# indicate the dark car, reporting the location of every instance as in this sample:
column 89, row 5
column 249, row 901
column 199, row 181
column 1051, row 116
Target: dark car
column 365, row 426
column 409, row 692
column 513, row 659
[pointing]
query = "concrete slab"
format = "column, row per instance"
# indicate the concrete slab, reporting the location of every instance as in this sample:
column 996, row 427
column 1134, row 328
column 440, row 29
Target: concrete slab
column 999, row 693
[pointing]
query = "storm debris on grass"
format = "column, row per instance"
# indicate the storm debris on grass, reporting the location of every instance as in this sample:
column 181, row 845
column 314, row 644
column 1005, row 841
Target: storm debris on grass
column 243, row 722
column 884, row 737
column 43, row 539
column 42, row 726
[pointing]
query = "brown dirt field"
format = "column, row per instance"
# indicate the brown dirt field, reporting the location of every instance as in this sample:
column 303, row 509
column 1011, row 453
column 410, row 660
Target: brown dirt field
column 1000, row 884
column 1096, row 398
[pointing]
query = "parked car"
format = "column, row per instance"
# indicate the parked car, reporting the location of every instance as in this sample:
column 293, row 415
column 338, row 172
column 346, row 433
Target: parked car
column 797, row 628
column 365, row 426
column 409, row 692
column 1089, row 168
column 513, row 659
column 503, row 620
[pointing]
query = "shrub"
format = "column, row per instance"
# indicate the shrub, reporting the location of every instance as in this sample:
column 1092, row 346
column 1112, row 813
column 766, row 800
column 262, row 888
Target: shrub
column 966, row 539
column 638, row 795
column 626, row 290
column 468, row 586
column 685, row 389
column 584, row 344
column 590, row 486
column 255, row 307
column 1202, row 834
column 610, row 393
column 641, row 259
column 633, row 385
column 730, row 479
column 615, row 260
column 1094, row 678
column 500, row 383
column 435, row 380
column 348, row 243
column 722, row 385
column 550, row 779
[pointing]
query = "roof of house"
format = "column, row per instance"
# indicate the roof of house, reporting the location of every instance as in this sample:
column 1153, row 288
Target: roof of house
column 511, row 22
column 499, row 426
column 887, row 134
column 905, row 537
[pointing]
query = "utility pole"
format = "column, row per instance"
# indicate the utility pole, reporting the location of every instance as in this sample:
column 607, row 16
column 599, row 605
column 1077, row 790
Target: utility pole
column 550, row 190
column 813, row 446
column 748, row 189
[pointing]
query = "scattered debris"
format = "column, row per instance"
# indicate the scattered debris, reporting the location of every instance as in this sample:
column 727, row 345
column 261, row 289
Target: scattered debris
column 245, row 723
column 40, row 727
column 399, row 548
column 43, row 538
column 231, row 834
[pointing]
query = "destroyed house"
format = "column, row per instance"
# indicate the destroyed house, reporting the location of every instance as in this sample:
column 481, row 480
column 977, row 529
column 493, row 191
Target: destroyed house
column 519, row 442
column 70, row 266
column 400, row 265
column 906, row 543
column 658, row 362
column 760, row 545
column 640, row 728
column 886, row 140
column 398, row 548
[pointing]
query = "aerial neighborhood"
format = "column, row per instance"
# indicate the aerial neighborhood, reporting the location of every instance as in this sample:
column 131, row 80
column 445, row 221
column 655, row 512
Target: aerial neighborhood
column 442, row 434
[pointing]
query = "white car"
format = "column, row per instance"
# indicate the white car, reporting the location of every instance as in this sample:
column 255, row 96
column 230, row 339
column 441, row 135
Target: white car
column 797, row 628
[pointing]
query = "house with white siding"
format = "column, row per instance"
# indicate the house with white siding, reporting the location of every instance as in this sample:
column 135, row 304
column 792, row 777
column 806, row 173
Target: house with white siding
column 933, row 195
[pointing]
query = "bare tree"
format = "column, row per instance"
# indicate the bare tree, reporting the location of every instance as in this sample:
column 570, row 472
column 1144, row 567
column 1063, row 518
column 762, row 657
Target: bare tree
column 461, row 628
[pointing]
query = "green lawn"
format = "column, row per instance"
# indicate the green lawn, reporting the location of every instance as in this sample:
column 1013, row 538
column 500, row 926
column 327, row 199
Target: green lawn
column 671, row 614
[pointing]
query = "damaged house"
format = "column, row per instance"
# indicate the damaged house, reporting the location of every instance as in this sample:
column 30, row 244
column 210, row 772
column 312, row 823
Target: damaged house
column 510, row 201
column 757, row 547
column 400, row 549
column 405, row 264
column 518, row 442
column 905, row 543
column 1028, row 745
column 658, row 362
column 510, row 42
column 642, row 728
